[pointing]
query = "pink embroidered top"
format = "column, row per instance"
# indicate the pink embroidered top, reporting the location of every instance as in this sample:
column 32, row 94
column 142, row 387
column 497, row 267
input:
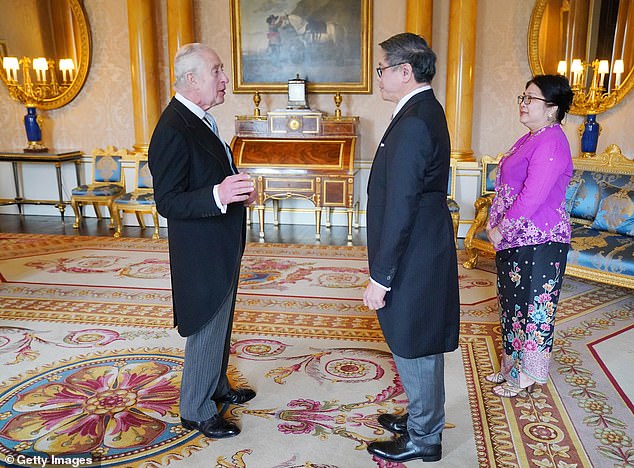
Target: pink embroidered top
column 529, row 206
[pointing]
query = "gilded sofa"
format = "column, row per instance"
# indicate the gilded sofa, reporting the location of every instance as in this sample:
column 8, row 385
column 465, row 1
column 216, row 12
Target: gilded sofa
column 600, row 199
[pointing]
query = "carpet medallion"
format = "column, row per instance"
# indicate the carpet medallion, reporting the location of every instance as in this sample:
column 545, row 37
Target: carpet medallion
column 91, row 364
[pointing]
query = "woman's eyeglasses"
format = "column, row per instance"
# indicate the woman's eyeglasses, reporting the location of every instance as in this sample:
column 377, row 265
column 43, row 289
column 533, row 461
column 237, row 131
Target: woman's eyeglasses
column 527, row 99
column 379, row 70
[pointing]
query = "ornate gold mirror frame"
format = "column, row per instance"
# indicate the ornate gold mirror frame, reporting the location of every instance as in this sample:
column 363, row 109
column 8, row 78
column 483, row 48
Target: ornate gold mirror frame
column 540, row 44
column 78, row 34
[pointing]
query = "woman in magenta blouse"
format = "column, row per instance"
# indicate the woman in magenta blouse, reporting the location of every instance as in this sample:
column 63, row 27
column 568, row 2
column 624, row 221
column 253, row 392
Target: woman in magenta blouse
column 530, row 230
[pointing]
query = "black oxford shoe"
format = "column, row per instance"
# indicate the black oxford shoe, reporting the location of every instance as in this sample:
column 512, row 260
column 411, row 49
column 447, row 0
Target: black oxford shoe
column 393, row 423
column 402, row 449
column 214, row 428
column 236, row 396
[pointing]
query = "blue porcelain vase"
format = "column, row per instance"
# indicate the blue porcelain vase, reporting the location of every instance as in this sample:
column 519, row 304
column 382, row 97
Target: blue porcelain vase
column 33, row 130
column 590, row 135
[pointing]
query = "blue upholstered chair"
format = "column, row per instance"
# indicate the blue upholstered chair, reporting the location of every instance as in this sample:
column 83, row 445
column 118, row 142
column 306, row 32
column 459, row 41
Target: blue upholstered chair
column 454, row 208
column 108, row 182
column 476, row 239
column 489, row 172
column 141, row 200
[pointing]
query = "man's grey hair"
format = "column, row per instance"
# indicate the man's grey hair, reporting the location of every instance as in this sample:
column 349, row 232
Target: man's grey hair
column 189, row 58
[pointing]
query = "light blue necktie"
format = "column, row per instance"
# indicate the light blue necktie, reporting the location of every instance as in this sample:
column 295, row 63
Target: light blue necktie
column 212, row 123
column 209, row 119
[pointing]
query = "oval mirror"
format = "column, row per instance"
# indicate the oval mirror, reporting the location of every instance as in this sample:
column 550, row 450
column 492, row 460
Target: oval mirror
column 45, row 50
column 588, row 30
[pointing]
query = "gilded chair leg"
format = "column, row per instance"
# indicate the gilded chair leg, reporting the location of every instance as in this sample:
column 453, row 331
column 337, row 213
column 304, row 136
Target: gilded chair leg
column 139, row 218
column 455, row 218
column 472, row 258
column 95, row 206
column 156, row 225
column 111, row 225
column 77, row 211
column 114, row 212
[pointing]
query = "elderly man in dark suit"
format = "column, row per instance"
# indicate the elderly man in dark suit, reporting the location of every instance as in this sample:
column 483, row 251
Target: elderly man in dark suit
column 200, row 192
column 411, row 251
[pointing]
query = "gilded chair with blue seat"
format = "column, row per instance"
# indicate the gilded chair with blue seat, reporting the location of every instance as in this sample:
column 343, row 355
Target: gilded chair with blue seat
column 108, row 182
column 476, row 239
column 141, row 200
column 454, row 208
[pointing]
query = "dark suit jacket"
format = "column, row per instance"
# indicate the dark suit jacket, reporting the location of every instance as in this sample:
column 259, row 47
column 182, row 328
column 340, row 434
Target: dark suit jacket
column 410, row 236
column 205, row 246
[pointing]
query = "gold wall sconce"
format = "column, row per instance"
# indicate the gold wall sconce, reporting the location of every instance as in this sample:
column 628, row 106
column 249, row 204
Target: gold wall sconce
column 30, row 81
column 44, row 66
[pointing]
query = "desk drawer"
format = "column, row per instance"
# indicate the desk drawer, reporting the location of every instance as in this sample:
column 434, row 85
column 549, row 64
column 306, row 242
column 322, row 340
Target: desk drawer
column 283, row 184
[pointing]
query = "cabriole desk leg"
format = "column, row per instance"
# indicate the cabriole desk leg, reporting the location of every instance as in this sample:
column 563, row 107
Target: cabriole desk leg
column 350, row 212
column 260, row 209
column 80, row 207
column 18, row 189
column 317, row 223
column 61, row 206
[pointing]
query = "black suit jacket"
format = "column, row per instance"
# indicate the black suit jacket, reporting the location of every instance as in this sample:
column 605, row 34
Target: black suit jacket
column 205, row 246
column 410, row 235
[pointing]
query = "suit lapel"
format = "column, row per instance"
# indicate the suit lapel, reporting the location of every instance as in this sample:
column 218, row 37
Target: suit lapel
column 203, row 135
column 415, row 100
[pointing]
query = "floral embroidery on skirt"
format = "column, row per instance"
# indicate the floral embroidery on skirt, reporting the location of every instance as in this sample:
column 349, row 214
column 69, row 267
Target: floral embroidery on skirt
column 529, row 286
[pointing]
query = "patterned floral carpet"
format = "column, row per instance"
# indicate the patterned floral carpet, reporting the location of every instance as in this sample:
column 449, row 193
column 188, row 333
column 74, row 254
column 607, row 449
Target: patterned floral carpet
column 91, row 365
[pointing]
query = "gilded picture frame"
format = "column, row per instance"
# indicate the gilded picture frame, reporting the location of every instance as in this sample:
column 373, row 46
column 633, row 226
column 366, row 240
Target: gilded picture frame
column 327, row 43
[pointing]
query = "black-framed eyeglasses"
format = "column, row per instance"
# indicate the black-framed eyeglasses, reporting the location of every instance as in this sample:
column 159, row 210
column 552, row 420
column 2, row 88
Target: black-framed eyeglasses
column 527, row 98
column 379, row 70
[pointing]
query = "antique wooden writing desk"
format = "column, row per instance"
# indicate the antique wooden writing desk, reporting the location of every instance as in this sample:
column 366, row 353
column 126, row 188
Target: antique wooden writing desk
column 300, row 154
column 55, row 157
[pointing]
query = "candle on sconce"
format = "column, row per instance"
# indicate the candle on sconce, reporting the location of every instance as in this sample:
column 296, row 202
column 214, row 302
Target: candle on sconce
column 40, row 66
column 576, row 68
column 11, row 65
column 66, row 66
column 618, row 71
column 604, row 69
column 562, row 67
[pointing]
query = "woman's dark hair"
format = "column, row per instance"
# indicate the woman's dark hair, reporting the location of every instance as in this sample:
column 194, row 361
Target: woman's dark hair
column 556, row 91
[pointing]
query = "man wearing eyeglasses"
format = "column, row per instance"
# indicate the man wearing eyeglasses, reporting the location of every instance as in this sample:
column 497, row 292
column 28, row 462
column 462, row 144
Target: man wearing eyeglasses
column 411, row 251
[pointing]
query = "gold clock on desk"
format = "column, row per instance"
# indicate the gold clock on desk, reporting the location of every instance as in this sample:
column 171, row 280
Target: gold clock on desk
column 297, row 93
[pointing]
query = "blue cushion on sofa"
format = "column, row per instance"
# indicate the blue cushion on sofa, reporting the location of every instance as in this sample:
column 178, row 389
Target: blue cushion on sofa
column 586, row 202
column 616, row 211
column 571, row 191
column 601, row 250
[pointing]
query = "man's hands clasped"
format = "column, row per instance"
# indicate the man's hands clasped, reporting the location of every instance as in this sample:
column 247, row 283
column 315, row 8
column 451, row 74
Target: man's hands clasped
column 237, row 188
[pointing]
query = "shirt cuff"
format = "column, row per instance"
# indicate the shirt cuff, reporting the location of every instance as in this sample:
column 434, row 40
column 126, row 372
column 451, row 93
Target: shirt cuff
column 223, row 208
column 384, row 288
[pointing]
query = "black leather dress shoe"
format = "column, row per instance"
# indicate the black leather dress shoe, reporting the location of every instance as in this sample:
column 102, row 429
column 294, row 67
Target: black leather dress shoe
column 236, row 396
column 214, row 428
column 393, row 423
column 402, row 449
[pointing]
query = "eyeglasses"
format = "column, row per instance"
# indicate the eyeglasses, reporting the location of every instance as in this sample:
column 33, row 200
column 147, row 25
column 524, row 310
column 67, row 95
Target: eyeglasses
column 379, row 70
column 527, row 99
